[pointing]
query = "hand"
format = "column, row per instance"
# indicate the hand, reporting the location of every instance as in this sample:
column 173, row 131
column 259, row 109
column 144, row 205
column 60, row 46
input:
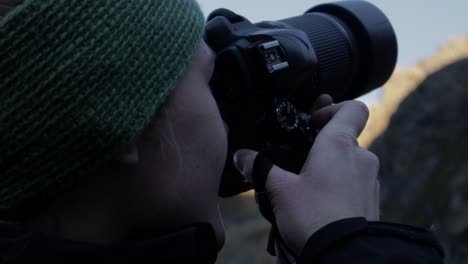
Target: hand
column 337, row 181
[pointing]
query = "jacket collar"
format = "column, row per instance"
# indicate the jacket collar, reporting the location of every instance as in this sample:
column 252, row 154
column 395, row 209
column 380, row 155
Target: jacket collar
column 196, row 244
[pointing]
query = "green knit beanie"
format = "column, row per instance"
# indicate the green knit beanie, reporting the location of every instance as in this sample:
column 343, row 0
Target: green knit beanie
column 80, row 79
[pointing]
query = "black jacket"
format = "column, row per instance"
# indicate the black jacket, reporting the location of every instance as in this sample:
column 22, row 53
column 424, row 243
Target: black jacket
column 348, row 241
column 355, row 240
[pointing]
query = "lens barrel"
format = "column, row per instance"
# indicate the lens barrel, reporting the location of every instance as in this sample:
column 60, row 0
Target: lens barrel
column 355, row 44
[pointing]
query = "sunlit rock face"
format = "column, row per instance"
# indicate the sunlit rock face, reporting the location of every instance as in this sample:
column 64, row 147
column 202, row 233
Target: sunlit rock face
column 424, row 159
column 405, row 80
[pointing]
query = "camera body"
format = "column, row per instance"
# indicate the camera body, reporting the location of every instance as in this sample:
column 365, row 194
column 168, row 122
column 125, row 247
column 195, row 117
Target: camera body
column 268, row 75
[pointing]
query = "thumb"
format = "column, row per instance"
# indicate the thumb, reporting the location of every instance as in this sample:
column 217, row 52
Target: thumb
column 243, row 161
column 259, row 170
column 256, row 167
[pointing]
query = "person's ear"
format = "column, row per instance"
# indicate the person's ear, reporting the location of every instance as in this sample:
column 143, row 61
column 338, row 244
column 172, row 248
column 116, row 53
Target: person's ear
column 130, row 154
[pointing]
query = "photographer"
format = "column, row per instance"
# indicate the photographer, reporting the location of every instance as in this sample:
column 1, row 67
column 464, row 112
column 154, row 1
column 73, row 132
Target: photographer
column 113, row 147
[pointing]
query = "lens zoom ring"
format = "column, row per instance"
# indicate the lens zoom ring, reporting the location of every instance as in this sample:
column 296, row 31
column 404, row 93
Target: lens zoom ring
column 331, row 40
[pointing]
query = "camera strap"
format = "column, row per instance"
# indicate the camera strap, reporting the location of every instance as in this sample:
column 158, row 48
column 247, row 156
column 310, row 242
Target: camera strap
column 276, row 246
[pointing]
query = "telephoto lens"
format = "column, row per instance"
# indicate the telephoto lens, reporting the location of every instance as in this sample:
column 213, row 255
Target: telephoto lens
column 267, row 75
column 355, row 45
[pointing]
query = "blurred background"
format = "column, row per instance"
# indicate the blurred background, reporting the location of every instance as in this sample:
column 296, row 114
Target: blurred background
column 418, row 125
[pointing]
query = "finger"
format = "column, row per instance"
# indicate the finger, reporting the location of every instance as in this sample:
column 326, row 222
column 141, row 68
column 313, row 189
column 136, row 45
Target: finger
column 243, row 161
column 322, row 116
column 257, row 168
column 265, row 177
column 348, row 118
column 248, row 162
column 321, row 102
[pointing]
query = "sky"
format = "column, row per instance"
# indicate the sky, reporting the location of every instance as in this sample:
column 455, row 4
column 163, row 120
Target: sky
column 421, row 25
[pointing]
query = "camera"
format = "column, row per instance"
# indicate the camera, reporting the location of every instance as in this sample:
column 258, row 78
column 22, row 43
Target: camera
column 267, row 75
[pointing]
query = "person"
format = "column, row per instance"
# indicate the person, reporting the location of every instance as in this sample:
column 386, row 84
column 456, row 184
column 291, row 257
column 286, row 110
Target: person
column 113, row 147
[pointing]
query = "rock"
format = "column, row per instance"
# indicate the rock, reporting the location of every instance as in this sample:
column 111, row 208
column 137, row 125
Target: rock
column 424, row 159
column 246, row 232
column 403, row 81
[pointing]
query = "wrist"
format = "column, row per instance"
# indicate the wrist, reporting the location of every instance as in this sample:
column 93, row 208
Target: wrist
column 345, row 232
column 331, row 233
column 314, row 228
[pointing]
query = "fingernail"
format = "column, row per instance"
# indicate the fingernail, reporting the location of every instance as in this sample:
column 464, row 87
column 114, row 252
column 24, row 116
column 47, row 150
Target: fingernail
column 238, row 162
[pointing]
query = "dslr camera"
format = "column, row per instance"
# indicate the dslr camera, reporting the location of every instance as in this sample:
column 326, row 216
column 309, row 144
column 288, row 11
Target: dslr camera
column 267, row 75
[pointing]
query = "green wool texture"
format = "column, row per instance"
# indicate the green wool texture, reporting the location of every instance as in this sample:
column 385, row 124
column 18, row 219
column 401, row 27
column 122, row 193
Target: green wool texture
column 81, row 79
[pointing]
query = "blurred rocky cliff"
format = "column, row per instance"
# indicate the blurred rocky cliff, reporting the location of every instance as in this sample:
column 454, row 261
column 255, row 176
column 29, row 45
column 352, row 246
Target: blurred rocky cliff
column 424, row 150
column 404, row 81
column 420, row 132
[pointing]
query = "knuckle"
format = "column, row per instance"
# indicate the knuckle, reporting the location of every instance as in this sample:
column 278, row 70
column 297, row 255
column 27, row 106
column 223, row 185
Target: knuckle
column 372, row 159
column 274, row 183
column 358, row 109
column 343, row 138
column 362, row 109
